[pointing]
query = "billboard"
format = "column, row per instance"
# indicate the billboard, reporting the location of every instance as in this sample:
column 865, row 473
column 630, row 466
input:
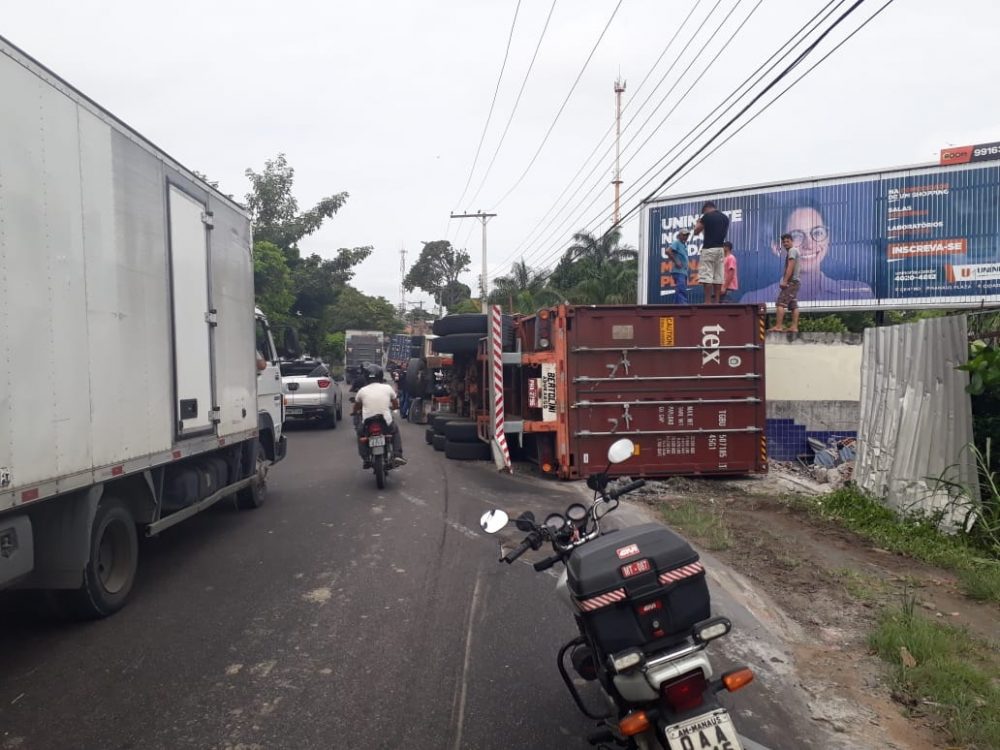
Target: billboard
column 922, row 237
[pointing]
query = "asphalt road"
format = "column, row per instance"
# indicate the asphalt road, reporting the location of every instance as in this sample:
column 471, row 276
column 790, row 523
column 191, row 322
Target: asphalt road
column 336, row 616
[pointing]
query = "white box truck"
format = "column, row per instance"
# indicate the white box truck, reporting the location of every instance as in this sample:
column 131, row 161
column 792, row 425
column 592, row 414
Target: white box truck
column 130, row 394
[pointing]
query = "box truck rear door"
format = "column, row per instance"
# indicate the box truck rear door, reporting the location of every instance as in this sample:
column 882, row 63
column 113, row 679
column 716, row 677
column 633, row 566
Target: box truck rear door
column 191, row 304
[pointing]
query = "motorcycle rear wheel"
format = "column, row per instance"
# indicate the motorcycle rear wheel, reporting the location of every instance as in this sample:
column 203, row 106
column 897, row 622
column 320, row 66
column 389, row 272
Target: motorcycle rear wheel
column 378, row 465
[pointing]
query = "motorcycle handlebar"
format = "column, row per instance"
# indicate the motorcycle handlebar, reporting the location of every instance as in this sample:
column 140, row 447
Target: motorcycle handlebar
column 517, row 551
column 547, row 563
column 618, row 492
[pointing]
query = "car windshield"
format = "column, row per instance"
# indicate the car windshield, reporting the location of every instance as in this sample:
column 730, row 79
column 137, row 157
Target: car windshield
column 304, row 369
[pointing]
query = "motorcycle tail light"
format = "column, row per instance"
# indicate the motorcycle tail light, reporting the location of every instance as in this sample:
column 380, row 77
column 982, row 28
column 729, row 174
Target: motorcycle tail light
column 634, row 723
column 374, row 430
column 685, row 693
column 737, row 679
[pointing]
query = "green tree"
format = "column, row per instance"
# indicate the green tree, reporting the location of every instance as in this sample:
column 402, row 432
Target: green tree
column 602, row 251
column 355, row 309
column 524, row 290
column 272, row 281
column 612, row 284
column 332, row 348
column 436, row 272
column 275, row 212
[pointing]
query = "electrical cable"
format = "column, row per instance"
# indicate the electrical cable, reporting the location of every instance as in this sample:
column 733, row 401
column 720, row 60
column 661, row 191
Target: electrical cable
column 607, row 132
column 560, row 111
column 788, row 49
column 517, row 101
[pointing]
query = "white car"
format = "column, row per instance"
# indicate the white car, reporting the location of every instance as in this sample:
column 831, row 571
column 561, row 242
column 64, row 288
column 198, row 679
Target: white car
column 311, row 392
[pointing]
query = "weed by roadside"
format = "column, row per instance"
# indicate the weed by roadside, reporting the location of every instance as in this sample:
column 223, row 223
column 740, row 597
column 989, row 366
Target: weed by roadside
column 916, row 536
column 703, row 523
column 940, row 670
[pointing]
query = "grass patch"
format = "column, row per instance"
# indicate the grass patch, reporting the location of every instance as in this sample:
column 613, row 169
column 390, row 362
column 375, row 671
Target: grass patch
column 950, row 676
column 915, row 536
column 704, row 524
column 860, row 586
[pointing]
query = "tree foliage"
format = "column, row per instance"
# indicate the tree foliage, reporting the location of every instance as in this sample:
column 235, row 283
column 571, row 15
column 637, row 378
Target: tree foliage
column 524, row 290
column 311, row 293
column 275, row 213
column 437, row 272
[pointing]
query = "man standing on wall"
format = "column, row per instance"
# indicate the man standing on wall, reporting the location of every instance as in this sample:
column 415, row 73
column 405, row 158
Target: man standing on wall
column 714, row 224
column 788, row 297
column 678, row 252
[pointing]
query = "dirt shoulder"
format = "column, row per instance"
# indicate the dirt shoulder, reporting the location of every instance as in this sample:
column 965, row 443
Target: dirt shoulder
column 834, row 585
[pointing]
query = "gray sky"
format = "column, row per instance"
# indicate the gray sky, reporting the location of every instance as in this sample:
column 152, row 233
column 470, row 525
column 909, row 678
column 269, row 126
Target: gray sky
column 387, row 100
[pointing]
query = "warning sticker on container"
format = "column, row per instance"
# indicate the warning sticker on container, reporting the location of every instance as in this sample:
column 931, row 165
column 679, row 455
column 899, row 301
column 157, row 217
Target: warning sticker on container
column 666, row 331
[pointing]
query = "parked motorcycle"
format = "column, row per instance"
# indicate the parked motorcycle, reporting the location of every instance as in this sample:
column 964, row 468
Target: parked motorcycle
column 642, row 607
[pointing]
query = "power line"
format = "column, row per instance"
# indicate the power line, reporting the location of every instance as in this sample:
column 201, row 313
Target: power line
column 687, row 165
column 586, row 161
column 489, row 116
column 784, row 51
column 539, row 242
column 561, row 108
column 517, row 101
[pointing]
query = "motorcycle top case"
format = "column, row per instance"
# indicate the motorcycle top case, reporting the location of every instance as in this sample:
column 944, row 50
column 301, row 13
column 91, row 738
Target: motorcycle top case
column 640, row 587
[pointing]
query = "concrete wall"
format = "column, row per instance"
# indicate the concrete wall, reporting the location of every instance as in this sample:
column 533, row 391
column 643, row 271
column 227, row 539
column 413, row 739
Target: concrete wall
column 813, row 390
column 813, row 367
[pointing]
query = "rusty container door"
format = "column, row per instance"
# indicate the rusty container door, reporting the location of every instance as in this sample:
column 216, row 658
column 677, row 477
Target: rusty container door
column 684, row 383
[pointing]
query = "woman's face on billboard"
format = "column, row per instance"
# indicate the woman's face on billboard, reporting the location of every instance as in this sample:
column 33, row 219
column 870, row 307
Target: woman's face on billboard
column 810, row 235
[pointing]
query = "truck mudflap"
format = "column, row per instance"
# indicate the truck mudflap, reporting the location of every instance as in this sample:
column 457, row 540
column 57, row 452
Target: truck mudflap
column 281, row 449
column 17, row 549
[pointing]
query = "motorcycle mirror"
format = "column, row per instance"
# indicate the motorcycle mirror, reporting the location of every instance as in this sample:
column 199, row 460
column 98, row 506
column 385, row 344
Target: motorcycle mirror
column 621, row 450
column 526, row 521
column 493, row 520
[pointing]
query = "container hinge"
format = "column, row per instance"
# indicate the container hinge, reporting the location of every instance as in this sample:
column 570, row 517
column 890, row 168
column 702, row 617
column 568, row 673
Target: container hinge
column 212, row 317
column 215, row 415
column 208, row 219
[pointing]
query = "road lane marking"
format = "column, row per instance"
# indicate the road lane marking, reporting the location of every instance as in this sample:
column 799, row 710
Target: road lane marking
column 465, row 665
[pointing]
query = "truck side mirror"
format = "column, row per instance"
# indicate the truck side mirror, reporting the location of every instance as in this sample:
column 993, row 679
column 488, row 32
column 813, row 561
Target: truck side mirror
column 291, row 343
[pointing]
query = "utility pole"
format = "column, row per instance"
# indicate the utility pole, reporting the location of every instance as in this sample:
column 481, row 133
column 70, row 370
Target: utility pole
column 402, row 277
column 617, row 182
column 483, row 217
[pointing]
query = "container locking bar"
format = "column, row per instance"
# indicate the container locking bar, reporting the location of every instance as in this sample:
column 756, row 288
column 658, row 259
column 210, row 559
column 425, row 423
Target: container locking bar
column 638, row 379
column 699, row 431
column 679, row 402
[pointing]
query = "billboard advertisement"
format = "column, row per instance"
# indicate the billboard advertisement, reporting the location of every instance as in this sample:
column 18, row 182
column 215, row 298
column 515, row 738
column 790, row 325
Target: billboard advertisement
column 925, row 237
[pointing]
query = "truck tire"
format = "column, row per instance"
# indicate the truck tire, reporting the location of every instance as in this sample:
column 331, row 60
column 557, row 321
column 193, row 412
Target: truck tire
column 472, row 323
column 255, row 494
column 429, row 435
column 114, row 557
column 416, row 377
column 438, row 441
column 478, row 451
column 461, row 432
column 457, row 343
column 438, row 421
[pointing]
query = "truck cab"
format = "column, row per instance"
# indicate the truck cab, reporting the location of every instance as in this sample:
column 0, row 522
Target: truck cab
column 270, row 403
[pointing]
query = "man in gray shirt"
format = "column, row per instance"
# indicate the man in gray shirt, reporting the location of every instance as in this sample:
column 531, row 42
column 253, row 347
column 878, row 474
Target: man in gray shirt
column 788, row 297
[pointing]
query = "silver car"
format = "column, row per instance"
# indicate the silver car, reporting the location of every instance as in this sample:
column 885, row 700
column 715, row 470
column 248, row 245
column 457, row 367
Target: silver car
column 311, row 393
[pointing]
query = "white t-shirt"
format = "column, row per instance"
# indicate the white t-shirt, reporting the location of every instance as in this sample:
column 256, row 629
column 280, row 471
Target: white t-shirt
column 376, row 398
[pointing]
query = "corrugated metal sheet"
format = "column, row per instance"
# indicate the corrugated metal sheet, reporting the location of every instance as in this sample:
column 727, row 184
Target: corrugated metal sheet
column 916, row 418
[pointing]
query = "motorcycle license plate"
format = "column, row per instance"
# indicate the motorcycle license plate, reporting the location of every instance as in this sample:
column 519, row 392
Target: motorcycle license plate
column 376, row 441
column 714, row 731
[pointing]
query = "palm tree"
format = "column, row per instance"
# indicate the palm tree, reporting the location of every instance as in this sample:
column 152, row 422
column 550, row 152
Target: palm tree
column 614, row 284
column 600, row 251
column 524, row 290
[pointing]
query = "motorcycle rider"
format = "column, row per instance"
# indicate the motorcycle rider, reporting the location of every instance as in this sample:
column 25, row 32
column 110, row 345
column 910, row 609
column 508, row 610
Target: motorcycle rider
column 378, row 397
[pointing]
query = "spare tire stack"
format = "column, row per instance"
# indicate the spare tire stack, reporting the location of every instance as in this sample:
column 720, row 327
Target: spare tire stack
column 457, row 437
column 460, row 334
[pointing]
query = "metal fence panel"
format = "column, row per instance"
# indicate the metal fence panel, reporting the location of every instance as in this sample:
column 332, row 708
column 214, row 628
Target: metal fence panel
column 916, row 418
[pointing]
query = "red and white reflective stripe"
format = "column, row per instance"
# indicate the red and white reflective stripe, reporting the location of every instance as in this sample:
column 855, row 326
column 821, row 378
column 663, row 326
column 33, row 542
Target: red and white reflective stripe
column 496, row 343
column 589, row 605
column 679, row 574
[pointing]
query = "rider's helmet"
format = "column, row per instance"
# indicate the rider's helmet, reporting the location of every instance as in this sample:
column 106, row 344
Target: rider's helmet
column 374, row 374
